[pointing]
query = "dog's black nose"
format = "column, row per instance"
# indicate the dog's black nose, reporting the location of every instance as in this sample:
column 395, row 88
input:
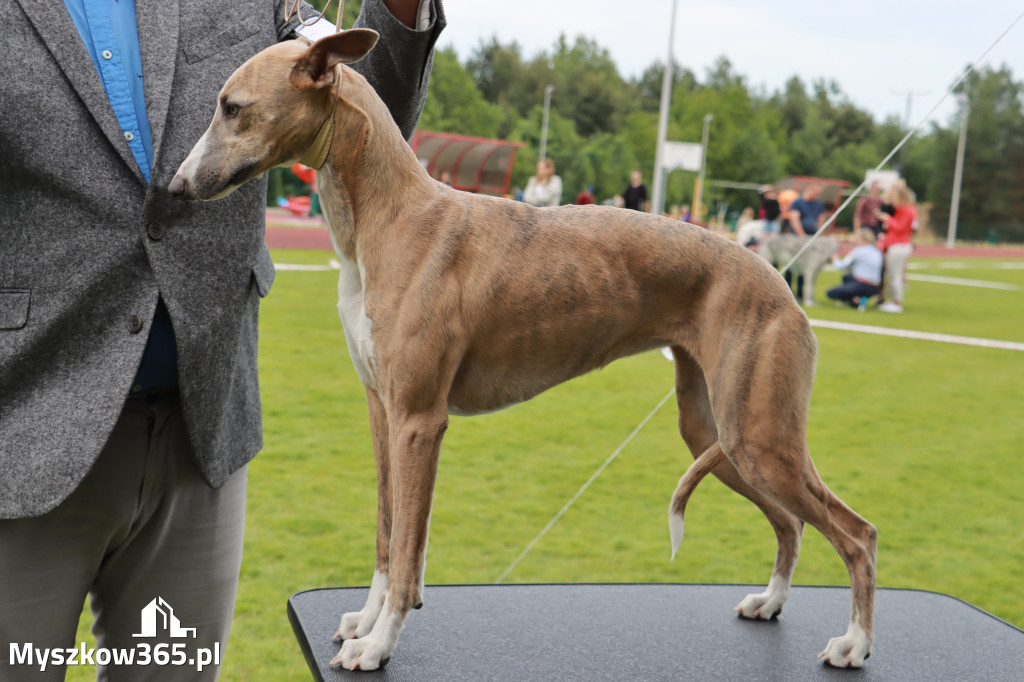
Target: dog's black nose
column 177, row 186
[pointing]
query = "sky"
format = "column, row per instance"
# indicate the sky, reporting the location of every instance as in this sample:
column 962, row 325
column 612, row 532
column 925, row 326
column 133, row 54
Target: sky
column 876, row 51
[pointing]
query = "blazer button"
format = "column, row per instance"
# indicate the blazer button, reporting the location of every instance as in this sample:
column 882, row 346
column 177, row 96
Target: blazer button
column 155, row 231
column 134, row 324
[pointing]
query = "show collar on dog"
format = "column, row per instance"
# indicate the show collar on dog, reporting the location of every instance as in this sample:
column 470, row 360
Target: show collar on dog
column 316, row 156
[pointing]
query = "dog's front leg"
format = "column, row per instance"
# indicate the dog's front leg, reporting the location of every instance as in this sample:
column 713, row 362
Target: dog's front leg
column 414, row 446
column 359, row 623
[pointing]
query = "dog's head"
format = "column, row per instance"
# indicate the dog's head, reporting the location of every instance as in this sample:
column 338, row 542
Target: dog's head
column 268, row 113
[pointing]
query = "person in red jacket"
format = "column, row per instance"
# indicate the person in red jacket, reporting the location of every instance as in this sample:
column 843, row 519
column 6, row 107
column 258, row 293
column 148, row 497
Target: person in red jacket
column 585, row 197
column 897, row 244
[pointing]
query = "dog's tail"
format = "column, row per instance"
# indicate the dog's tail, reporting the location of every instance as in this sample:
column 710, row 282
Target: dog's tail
column 700, row 468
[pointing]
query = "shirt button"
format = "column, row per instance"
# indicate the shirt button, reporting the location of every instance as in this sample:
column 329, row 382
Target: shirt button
column 128, row 135
column 107, row 54
column 134, row 324
column 155, row 231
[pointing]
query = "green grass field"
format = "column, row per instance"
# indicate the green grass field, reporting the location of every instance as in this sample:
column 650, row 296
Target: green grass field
column 922, row 438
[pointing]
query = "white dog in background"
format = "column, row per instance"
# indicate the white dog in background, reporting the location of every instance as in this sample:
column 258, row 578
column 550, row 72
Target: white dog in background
column 779, row 250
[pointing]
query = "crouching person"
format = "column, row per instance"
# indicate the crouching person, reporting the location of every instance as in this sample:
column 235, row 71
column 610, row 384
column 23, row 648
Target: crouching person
column 864, row 276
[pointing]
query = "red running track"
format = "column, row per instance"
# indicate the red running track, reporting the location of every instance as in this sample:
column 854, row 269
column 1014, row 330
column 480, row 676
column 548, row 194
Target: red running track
column 317, row 239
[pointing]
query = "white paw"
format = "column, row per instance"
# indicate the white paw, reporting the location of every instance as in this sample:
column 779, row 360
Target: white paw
column 848, row 651
column 367, row 653
column 356, row 624
column 360, row 623
column 763, row 606
column 768, row 604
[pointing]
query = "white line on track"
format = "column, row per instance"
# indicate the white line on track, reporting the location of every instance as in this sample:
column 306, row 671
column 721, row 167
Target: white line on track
column 922, row 336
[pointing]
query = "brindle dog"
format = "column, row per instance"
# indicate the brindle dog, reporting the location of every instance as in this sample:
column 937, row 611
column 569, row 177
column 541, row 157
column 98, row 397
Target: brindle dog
column 456, row 303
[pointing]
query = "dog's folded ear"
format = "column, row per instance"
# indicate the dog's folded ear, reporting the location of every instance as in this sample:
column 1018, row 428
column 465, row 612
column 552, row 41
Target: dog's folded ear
column 315, row 68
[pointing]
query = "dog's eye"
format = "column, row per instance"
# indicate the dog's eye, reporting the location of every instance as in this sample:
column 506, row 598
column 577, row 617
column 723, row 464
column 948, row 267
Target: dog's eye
column 231, row 110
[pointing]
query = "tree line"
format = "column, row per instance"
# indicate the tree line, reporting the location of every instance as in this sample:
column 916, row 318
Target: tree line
column 603, row 125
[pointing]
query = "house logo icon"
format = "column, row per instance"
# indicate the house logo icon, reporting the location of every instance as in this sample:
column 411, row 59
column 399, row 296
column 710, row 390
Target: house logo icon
column 158, row 615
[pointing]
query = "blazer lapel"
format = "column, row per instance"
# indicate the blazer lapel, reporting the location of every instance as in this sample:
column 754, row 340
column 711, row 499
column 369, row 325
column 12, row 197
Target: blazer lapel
column 53, row 23
column 158, row 41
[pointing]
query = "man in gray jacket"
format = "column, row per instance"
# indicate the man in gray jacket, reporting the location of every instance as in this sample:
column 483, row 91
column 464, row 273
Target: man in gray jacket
column 129, row 403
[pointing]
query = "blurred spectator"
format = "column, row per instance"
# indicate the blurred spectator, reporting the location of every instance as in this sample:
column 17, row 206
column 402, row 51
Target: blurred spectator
column 897, row 243
column 865, row 271
column 635, row 196
column 867, row 207
column 544, row 188
column 446, row 178
column 586, row 196
column 745, row 217
column 684, row 213
column 786, row 198
column 807, row 212
column 770, row 209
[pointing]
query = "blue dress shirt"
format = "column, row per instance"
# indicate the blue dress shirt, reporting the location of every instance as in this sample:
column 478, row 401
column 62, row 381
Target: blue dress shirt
column 110, row 34
column 109, row 31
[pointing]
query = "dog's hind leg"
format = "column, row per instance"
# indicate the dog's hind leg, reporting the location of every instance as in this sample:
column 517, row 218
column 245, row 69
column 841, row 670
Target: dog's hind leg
column 790, row 478
column 359, row 623
column 414, row 447
column 767, row 444
column 698, row 428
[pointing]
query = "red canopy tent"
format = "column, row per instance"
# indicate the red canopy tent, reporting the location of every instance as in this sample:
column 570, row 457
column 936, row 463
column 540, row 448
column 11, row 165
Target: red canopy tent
column 476, row 164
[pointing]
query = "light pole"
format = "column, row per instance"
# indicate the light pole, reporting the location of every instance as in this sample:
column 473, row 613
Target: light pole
column 658, row 193
column 958, row 175
column 544, row 124
column 703, row 163
column 906, row 120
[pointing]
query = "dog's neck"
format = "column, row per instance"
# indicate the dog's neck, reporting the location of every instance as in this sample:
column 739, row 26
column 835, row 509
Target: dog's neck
column 371, row 176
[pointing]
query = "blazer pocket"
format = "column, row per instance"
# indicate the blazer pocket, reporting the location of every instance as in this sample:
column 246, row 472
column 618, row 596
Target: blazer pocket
column 263, row 272
column 201, row 48
column 14, row 305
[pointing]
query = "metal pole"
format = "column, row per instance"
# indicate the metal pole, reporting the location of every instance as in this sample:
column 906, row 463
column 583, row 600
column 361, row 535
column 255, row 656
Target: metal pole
column 703, row 163
column 658, row 193
column 544, row 124
column 906, row 120
column 906, row 126
column 958, row 175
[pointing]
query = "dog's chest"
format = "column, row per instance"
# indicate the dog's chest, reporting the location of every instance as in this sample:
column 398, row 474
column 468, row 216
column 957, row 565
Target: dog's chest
column 352, row 310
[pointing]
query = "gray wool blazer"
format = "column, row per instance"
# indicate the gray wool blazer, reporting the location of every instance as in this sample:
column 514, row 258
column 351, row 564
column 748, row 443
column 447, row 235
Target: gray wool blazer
column 86, row 247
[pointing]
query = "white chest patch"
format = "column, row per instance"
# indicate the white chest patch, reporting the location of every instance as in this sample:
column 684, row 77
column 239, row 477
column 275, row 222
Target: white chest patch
column 352, row 310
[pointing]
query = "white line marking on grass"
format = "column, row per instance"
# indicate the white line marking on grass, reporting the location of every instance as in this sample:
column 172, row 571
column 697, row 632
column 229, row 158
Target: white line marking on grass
column 593, row 477
column 940, row 265
column 921, row 336
column 964, row 282
column 301, row 267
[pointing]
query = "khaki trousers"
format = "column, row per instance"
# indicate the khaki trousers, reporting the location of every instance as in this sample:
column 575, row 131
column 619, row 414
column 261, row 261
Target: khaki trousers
column 156, row 549
column 896, row 257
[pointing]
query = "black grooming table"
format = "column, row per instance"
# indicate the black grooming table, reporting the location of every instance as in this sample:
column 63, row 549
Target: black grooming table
column 661, row 632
